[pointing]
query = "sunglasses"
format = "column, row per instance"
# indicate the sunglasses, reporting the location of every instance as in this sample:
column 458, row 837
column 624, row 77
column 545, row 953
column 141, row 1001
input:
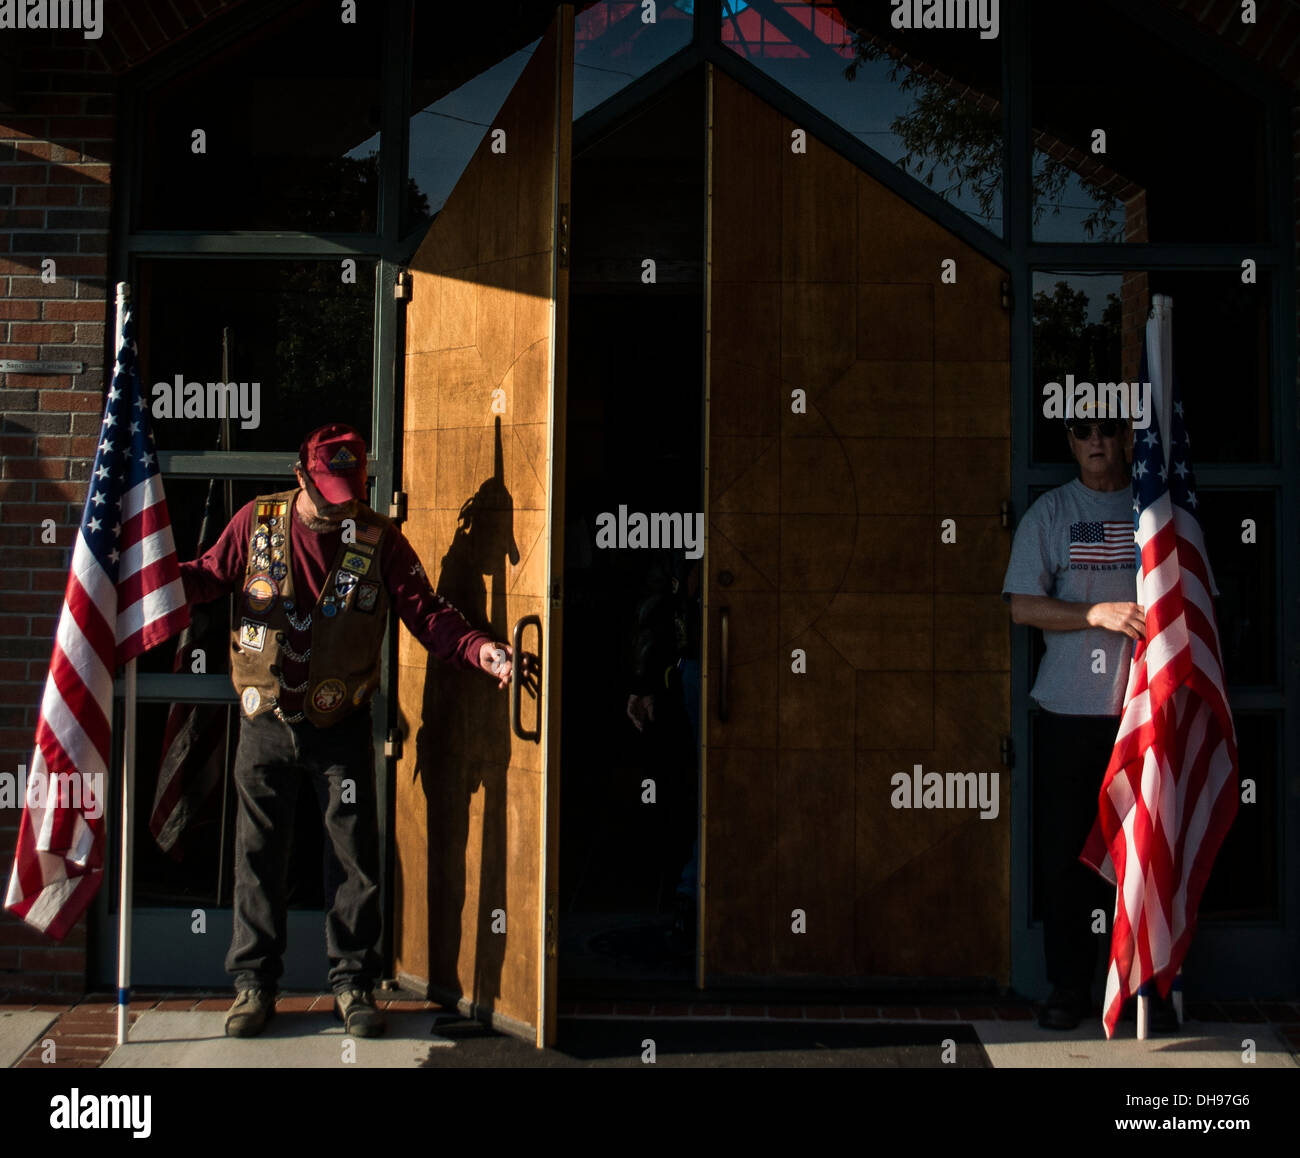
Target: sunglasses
column 1109, row 427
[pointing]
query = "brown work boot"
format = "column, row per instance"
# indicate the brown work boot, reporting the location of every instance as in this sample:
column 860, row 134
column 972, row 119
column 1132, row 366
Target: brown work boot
column 253, row 1008
column 356, row 1009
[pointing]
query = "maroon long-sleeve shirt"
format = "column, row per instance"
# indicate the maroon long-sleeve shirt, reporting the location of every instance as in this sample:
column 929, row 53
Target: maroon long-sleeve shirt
column 432, row 620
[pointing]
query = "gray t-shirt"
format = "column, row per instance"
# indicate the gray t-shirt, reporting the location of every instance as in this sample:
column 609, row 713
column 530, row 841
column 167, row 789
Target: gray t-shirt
column 1076, row 544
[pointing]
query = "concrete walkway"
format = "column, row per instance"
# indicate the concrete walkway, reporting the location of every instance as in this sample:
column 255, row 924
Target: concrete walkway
column 415, row 1040
column 189, row 1032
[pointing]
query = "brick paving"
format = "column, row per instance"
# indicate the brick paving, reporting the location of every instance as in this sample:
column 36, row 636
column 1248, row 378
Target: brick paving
column 85, row 1034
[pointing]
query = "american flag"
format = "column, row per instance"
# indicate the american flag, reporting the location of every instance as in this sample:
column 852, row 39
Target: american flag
column 123, row 596
column 1170, row 790
column 1101, row 542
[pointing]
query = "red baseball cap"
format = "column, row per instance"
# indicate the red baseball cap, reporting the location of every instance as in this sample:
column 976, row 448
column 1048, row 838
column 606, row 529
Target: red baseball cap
column 334, row 457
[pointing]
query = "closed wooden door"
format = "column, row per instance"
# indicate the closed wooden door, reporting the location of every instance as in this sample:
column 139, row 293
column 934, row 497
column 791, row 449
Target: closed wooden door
column 476, row 800
column 858, row 458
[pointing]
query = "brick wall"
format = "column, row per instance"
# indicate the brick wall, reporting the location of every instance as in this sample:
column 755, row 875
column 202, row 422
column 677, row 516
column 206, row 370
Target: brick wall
column 55, row 156
column 56, row 153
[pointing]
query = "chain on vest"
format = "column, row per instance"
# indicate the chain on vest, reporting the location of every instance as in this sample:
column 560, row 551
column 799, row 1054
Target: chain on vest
column 347, row 623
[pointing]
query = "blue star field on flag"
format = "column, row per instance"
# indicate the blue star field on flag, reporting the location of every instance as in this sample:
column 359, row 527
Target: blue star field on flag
column 126, row 455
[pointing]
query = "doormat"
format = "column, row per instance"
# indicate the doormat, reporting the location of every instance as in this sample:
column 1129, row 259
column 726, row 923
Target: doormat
column 694, row 1043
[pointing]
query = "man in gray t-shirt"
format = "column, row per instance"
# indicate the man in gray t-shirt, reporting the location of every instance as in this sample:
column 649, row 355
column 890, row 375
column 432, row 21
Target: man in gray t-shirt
column 1073, row 574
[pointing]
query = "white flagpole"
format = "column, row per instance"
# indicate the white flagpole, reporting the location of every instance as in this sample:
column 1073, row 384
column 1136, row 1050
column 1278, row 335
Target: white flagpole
column 1160, row 365
column 128, row 784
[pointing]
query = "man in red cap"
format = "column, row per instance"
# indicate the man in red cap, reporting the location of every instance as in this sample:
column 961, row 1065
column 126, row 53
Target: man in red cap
column 316, row 571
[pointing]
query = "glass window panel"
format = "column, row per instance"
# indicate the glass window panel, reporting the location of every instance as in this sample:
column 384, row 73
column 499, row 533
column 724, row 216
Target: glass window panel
column 613, row 46
column 1092, row 326
column 290, row 114
column 199, row 509
column 199, row 867
column 1244, row 883
column 297, row 329
column 1186, row 168
column 928, row 100
column 464, row 62
column 445, row 133
column 1245, row 573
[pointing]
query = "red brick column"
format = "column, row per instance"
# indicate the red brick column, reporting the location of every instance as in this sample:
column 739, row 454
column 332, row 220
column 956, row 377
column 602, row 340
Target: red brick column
column 55, row 158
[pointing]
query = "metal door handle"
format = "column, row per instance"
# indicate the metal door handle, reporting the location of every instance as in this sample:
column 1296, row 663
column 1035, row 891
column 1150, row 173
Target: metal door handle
column 724, row 685
column 516, row 676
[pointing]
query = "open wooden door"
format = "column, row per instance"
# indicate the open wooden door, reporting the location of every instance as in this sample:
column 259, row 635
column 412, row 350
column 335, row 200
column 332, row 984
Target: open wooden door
column 477, row 799
column 849, row 638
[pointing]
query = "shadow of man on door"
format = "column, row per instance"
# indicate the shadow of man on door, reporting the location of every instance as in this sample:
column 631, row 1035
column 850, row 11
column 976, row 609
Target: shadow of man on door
column 463, row 751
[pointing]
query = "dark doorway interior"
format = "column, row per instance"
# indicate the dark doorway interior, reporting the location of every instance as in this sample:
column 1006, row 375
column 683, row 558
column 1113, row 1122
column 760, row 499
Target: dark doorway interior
column 635, row 439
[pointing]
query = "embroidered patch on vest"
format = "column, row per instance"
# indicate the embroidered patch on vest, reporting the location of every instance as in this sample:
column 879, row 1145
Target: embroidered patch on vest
column 367, row 597
column 360, row 694
column 344, row 581
column 354, row 561
column 368, row 534
column 251, row 700
column 252, row 635
column 260, row 592
column 329, row 694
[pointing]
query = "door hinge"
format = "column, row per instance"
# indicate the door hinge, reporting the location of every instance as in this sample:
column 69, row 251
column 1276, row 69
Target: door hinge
column 393, row 745
column 1006, row 295
column 1008, row 752
column 1006, row 512
column 397, row 508
column 562, row 240
column 402, row 285
column 552, row 933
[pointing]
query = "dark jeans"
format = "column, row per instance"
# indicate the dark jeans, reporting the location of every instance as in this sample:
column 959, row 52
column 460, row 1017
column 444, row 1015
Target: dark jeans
column 1072, row 753
column 271, row 764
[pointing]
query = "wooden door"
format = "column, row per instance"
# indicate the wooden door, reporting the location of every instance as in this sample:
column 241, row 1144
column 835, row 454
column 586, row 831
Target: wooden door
column 477, row 804
column 826, row 538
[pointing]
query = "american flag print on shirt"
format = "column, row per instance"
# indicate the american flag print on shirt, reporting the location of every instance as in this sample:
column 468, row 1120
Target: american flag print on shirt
column 123, row 596
column 1104, row 543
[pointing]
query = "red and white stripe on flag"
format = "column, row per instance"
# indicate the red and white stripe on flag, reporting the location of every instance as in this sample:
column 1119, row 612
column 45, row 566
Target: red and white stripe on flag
column 1170, row 791
column 124, row 595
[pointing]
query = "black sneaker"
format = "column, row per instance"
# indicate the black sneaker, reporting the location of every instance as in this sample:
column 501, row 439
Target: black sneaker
column 253, row 1008
column 1065, row 1009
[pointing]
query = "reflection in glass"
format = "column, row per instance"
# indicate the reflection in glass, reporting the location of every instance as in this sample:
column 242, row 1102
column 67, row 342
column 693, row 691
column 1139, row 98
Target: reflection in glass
column 199, row 509
column 298, row 329
column 1244, row 882
column 446, row 132
column 1093, row 326
column 199, row 865
column 928, row 100
column 289, row 115
column 1069, row 208
column 464, row 62
column 1244, row 574
column 614, row 45
column 1151, row 179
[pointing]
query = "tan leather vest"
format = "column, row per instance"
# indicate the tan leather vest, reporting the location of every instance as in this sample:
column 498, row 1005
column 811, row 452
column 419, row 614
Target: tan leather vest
column 348, row 621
